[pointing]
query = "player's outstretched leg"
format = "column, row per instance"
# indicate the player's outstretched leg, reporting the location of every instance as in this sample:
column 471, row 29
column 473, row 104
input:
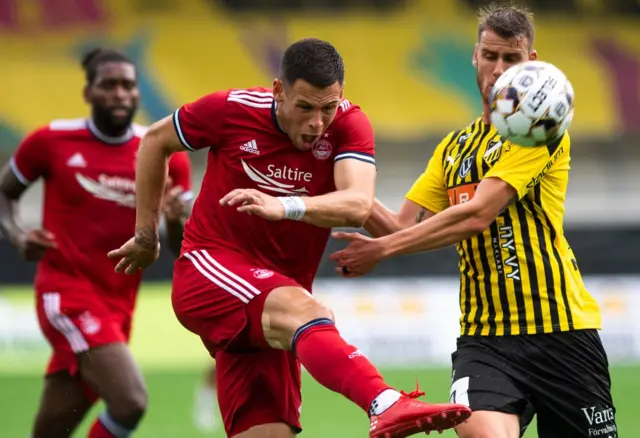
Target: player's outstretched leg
column 62, row 407
column 113, row 375
column 293, row 319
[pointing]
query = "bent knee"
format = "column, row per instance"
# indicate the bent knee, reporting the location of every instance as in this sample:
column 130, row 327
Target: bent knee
column 128, row 409
column 286, row 310
column 488, row 424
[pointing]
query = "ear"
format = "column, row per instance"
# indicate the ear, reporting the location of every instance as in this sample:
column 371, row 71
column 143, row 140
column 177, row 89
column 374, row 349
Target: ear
column 533, row 55
column 474, row 60
column 278, row 90
column 85, row 94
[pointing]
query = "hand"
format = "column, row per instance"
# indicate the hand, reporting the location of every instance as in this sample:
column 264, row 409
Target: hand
column 139, row 252
column 33, row 244
column 360, row 257
column 174, row 206
column 252, row 201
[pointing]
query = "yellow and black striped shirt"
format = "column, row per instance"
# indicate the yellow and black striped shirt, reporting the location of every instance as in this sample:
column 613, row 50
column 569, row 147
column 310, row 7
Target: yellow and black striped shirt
column 519, row 276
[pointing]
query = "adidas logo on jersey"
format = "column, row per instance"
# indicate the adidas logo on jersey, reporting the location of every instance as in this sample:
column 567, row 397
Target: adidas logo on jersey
column 76, row 160
column 251, row 147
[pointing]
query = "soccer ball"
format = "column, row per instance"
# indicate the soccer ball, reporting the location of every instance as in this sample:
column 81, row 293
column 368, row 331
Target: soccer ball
column 532, row 103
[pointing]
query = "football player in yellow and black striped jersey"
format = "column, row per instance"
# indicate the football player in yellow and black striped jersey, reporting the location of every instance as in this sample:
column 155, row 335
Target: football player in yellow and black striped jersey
column 529, row 342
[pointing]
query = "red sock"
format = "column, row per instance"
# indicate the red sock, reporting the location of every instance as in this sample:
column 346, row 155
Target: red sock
column 337, row 365
column 99, row 431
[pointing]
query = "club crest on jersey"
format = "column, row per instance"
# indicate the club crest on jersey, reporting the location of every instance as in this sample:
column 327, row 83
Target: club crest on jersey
column 322, row 149
column 89, row 324
column 262, row 274
column 466, row 165
column 494, row 149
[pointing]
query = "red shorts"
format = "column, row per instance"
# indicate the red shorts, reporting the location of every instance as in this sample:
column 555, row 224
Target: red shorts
column 220, row 295
column 74, row 322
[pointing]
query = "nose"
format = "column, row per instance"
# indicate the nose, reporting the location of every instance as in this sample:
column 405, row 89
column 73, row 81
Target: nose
column 499, row 69
column 316, row 123
column 120, row 93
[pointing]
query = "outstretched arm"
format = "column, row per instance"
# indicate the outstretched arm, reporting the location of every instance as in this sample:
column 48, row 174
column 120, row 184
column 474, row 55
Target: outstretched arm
column 384, row 221
column 351, row 203
column 155, row 150
column 453, row 224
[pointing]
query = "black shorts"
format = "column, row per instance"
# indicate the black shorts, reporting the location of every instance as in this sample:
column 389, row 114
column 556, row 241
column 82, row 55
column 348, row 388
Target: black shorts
column 562, row 377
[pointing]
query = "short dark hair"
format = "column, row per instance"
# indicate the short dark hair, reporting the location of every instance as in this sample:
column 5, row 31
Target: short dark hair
column 314, row 61
column 94, row 58
column 507, row 20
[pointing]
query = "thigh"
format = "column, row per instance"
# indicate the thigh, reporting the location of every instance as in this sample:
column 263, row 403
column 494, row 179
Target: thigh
column 259, row 388
column 73, row 324
column 63, row 405
column 483, row 380
column 572, row 386
column 220, row 297
column 112, row 373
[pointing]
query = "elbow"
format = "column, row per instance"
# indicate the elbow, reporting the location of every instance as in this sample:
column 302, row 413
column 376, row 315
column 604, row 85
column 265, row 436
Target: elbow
column 360, row 212
column 479, row 222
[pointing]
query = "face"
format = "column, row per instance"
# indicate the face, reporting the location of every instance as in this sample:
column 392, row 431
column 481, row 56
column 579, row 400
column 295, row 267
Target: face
column 306, row 111
column 114, row 94
column 494, row 55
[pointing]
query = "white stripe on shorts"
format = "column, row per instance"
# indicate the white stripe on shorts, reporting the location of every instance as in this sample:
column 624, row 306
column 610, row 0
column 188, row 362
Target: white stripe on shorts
column 221, row 276
column 63, row 323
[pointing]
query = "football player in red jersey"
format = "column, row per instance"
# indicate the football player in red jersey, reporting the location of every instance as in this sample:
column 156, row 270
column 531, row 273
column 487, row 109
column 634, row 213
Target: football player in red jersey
column 284, row 166
column 84, row 308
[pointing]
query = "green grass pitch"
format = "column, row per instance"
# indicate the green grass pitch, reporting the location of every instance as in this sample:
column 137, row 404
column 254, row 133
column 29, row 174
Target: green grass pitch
column 173, row 362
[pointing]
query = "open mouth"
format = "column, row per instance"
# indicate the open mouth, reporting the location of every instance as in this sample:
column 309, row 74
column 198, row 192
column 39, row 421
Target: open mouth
column 309, row 139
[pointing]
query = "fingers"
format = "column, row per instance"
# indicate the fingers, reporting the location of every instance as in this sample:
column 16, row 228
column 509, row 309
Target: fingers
column 349, row 274
column 250, row 209
column 341, row 235
column 42, row 238
column 120, row 252
column 336, row 256
column 128, row 265
column 240, row 196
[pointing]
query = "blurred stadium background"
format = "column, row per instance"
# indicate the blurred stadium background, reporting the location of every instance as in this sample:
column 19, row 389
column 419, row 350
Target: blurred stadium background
column 409, row 66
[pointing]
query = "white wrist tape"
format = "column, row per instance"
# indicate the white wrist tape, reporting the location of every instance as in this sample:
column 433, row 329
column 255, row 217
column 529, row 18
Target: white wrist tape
column 294, row 207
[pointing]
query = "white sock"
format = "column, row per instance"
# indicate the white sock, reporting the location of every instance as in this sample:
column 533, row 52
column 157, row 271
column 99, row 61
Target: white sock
column 384, row 401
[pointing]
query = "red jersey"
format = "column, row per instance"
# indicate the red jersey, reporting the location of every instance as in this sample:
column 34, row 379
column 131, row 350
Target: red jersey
column 247, row 149
column 89, row 202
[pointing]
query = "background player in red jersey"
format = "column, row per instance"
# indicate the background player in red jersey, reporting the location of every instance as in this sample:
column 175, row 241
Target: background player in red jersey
column 84, row 309
column 242, row 281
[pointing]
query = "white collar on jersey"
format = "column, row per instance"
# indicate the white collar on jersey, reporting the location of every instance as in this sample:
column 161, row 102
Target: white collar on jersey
column 91, row 126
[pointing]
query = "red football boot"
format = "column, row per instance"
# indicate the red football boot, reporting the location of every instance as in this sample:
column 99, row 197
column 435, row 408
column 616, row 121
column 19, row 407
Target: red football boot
column 409, row 416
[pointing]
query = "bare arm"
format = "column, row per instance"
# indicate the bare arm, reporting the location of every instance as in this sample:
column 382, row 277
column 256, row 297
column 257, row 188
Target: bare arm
column 11, row 190
column 351, row 203
column 155, row 150
column 453, row 224
column 384, row 221
column 177, row 209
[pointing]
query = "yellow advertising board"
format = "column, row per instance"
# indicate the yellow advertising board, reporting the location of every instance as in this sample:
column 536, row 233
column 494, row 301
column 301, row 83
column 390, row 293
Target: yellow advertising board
column 411, row 71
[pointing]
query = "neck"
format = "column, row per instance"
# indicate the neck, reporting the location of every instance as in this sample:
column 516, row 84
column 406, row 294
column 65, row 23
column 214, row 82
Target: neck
column 108, row 134
column 486, row 113
column 109, row 130
column 282, row 122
